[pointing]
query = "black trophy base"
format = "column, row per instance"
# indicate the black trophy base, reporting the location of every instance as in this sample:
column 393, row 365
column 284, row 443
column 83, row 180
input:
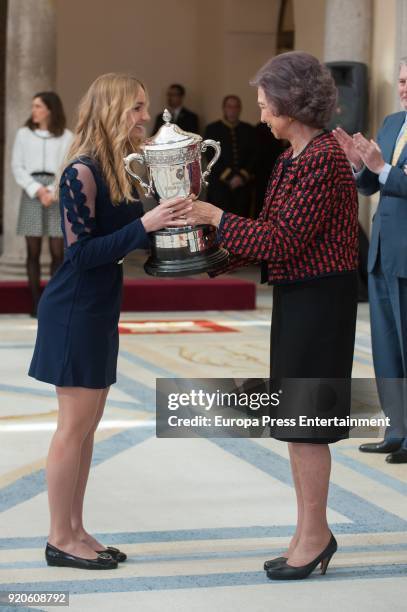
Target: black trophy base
column 182, row 251
column 204, row 262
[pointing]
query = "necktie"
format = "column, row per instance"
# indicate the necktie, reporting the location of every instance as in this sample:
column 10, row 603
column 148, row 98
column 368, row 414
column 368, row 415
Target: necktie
column 399, row 147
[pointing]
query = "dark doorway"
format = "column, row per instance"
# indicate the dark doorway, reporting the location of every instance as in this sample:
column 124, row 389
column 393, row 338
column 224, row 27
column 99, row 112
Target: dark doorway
column 285, row 34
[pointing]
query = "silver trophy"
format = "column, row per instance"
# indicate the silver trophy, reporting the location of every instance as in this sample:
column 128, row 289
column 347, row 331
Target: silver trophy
column 172, row 158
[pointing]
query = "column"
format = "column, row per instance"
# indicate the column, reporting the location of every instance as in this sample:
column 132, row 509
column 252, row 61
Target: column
column 30, row 67
column 400, row 44
column 348, row 37
column 348, row 27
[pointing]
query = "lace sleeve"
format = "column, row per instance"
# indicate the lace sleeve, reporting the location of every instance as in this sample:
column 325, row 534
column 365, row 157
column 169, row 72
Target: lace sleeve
column 78, row 192
column 78, row 196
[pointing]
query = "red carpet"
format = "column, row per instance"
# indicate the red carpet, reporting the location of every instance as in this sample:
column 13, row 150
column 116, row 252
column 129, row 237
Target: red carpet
column 155, row 295
column 157, row 326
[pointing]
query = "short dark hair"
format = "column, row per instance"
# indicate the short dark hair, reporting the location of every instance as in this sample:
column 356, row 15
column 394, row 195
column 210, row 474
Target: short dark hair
column 231, row 97
column 180, row 88
column 296, row 84
column 57, row 121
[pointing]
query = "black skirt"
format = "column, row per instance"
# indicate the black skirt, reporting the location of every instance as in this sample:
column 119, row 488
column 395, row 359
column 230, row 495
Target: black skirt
column 312, row 337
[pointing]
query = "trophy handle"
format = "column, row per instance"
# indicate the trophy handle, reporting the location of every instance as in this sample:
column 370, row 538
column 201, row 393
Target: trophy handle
column 127, row 164
column 215, row 145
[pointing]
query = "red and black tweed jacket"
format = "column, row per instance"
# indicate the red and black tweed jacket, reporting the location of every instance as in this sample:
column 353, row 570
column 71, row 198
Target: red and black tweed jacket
column 309, row 223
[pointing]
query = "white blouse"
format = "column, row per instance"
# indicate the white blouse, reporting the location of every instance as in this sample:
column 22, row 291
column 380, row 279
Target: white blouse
column 37, row 151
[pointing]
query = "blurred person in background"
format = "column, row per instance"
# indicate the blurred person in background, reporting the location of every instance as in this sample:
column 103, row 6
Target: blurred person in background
column 231, row 179
column 38, row 151
column 181, row 116
column 268, row 148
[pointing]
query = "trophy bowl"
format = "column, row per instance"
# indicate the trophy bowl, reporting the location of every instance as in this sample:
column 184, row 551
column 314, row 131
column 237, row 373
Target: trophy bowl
column 172, row 158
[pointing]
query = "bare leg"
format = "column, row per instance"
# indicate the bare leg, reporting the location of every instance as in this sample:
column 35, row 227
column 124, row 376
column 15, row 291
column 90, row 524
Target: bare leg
column 76, row 416
column 313, row 464
column 56, row 249
column 300, row 502
column 84, row 468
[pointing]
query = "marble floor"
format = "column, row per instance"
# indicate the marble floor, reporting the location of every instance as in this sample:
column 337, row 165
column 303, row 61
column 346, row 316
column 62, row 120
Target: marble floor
column 196, row 516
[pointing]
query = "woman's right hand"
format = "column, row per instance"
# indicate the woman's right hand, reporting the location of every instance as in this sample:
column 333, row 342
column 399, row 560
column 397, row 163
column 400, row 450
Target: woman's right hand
column 45, row 196
column 349, row 148
column 166, row 213
column 41, row 194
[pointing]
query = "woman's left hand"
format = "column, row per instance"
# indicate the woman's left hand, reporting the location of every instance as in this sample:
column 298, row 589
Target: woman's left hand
column 202, row 213
column 47, row 199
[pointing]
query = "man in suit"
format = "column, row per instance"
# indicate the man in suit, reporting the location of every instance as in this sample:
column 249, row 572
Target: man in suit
column 268, row 148
column 184, row 118
column 382, row 166
column 231, row 179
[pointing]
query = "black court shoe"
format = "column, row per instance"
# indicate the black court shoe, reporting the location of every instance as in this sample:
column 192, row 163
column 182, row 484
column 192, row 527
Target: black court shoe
column 288, row 572
column 399, row 456
column 57, row 557
column 380, row 447
column 274, row 562
column 115, row 553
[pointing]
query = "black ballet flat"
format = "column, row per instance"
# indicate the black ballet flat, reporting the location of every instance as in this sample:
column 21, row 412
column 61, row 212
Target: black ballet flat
column 288, row 572
column 59, row 558
column 274, row 562
column 115, row 553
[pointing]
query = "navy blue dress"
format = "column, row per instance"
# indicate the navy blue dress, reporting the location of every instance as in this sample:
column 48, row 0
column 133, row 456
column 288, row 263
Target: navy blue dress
column 77, row 339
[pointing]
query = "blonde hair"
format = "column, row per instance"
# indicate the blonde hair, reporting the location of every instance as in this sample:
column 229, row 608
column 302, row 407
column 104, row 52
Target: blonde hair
column 102, row 130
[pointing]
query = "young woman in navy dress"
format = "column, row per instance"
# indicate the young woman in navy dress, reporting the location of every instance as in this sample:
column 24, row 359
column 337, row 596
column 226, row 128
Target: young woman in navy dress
column 77, row 341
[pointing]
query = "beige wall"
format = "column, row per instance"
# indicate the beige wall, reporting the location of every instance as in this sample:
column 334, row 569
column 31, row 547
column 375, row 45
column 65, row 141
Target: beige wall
column 211, row 47
column 99, row 36
column 309, row 23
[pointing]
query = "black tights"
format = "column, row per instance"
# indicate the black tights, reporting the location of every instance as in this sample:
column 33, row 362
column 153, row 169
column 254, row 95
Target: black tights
column 34, row 244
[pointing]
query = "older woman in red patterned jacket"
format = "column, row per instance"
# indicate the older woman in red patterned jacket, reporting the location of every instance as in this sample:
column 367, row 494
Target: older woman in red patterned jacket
column 306, row 240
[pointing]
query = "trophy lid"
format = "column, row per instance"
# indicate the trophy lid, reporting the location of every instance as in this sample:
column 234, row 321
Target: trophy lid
column 170, row 136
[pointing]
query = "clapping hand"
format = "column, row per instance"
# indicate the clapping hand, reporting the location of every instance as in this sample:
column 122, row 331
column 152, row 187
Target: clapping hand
column 370, row 153
column 360, row 151
column 348, row 145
